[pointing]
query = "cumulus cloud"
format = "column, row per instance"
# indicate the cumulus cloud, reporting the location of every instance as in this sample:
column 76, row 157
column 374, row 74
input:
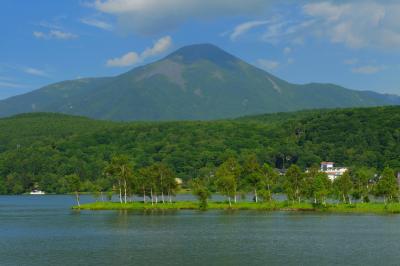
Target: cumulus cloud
column 54, row 34
column 159, row 47
column 97, row 23
column 357, row 24
column 132, row 58
column 367, row 70
column 128, row 59
column 245, row 27
column 153, row 16
column 267, row 64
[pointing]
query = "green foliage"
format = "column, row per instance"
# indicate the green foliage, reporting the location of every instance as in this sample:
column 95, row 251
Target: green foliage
column 363, row 181
column 378, row 208
column 294, row 184
column 74, row 182
column 201, row 191
column 387, row 185
column 44, row 148
column 318, row 186
column 343, row 187
column 228, row 175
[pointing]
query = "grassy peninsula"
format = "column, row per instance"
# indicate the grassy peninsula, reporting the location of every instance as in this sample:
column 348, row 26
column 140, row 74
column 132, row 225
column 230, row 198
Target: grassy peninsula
column 376, row 208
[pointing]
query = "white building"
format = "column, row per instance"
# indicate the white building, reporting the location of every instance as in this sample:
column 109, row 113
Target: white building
column 332, row 171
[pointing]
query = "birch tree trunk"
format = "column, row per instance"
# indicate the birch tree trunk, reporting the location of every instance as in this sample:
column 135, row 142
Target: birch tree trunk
column 125, row 190
column 120, row 191
column 77, row 198
column 255, row 195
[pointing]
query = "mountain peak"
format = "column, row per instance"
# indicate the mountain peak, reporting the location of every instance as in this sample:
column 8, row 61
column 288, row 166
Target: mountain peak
column 205, row 51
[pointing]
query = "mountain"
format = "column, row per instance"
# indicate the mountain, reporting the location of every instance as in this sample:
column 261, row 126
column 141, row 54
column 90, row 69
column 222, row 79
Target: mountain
column 196, row 82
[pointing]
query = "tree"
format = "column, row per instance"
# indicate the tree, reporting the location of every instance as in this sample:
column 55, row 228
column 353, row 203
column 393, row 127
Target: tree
column 317, row 185
column 227, row 178
column 294, row 180
column 144, row 182
column 270, row 177
column 3, row 188
column 343, row 187
column 166, row 181
column 121, row 170
column 253, row 178
column 201, row 191
column 387, row 185
column 74, row 184
column 361, row 179
column 320, row 188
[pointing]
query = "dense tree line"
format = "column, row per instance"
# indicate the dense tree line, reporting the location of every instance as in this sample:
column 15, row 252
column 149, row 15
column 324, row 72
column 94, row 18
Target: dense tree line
column 42, row 150
column 157, row 183
column 232, row 179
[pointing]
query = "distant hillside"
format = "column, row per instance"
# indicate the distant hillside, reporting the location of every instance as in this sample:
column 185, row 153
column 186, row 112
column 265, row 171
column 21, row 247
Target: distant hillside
column 43, row 148
column 197, row 82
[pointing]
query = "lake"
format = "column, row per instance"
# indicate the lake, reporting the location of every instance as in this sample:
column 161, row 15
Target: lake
column 43, row 230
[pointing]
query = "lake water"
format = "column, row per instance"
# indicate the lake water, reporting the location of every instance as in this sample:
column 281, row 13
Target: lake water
column 43, row 230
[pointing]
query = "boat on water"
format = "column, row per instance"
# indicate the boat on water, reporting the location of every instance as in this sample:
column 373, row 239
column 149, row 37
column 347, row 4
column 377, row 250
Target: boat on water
column 37, row 192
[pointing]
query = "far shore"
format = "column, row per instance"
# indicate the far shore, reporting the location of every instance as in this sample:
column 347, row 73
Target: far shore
column 377, row 208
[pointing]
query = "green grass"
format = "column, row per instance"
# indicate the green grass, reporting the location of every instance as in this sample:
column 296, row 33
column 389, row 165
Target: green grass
column 378, row 208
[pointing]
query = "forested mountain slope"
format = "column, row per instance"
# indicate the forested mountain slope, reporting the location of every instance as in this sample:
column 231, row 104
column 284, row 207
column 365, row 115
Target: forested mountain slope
column 43, row 148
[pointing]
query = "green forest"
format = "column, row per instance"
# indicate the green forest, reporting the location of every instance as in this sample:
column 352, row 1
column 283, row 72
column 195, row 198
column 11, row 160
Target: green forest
column 46, row 151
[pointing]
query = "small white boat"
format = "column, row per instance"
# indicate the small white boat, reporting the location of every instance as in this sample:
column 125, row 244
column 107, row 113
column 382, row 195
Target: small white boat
column 37, row 192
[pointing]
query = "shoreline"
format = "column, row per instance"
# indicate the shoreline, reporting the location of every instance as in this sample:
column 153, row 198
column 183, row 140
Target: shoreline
column 373, row 208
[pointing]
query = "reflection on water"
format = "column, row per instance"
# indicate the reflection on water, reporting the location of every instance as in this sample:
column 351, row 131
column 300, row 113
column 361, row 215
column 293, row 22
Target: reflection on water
column 43, row 230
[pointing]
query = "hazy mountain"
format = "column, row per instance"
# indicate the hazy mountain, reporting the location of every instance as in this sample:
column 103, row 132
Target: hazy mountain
column 195, row 82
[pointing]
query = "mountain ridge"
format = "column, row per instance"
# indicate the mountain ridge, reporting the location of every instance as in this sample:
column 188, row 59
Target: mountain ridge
column 196, row 82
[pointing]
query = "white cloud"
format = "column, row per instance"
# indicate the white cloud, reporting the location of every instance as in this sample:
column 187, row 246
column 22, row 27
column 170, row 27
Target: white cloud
column 350, row 61
column 153, row 16
column 12, row 85
column 357, row 24
column 35, row 72
column 267, row 64
column 97, row 23
column 367, row 70
column 55, row 34
column 133, row 58
column 287, row 50
column 245, row 27
column 128, row 59
column 39, row 34
column 287, row 30
column 159, row 47
column 49, row 25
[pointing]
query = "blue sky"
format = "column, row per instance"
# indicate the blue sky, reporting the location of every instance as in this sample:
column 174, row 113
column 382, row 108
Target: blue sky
column 355, row 44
